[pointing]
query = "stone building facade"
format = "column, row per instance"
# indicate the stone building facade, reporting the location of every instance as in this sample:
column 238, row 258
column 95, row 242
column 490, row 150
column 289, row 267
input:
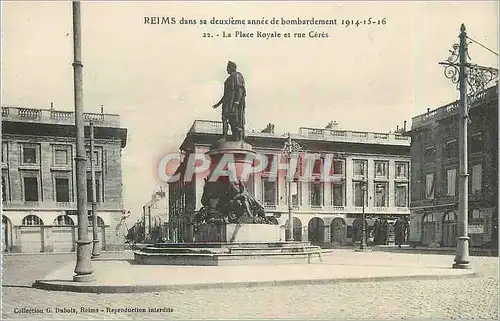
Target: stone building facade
column 155, row 216
column 435, row 174
column 324, row 212
column 39, row 210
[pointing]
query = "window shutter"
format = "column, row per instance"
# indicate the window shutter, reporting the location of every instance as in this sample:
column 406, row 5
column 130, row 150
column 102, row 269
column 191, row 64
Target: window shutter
column 477, row 173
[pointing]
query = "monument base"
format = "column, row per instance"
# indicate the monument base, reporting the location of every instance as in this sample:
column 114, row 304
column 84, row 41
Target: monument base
column 240, row 233
column 224, row 253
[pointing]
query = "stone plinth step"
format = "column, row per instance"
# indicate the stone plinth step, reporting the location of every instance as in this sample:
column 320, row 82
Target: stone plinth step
column 226, row 253
column 230, row 245
column 302, row 249
column 231, row 250
column 179, row 250
column 255, row 250
column 225, row 258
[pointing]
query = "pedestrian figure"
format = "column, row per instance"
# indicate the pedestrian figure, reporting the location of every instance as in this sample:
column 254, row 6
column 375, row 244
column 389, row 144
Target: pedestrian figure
column 400, row 231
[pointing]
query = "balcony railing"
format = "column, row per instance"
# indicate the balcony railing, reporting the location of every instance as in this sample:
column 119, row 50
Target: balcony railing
column 449, row 109
column 55, row 206
column 61, row 115
column 381, row 136
column 206, row 126
column 93, row 116
column 29, row 113
column 215, row 127
column 51, row 116
column 359, row 134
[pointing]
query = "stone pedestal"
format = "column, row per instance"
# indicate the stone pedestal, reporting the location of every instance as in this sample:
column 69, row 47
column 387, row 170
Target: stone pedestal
column 237, row 155
column 239, row 233
column 225, row 196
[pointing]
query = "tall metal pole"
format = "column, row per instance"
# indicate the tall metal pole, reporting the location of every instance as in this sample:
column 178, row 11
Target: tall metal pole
column 96, row 251
column 462, row 257
column 84, row 271
column 149, row 222
column 144, row 223
column 362, row 244
column 289, row 196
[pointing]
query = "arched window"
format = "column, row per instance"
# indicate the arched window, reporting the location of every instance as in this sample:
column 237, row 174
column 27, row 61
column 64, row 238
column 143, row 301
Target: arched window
column 429, row 218
column 100, row 221
column 32, row 220
column 64, row 220
column 429, row 229
column 450, row 217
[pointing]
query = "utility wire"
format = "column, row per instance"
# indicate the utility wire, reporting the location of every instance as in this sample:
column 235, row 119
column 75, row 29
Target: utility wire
column 482, row 45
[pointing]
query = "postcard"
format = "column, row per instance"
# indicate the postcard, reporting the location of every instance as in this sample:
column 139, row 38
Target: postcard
column 249, row 160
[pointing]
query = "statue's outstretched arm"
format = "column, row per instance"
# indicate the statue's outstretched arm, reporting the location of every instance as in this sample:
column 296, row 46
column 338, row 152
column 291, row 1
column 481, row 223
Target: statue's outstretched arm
column 218, row 103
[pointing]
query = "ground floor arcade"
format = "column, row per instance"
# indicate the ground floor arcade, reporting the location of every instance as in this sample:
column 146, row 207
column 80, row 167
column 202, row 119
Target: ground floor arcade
column 57, row 231
column 324, row 229
column 438, row 227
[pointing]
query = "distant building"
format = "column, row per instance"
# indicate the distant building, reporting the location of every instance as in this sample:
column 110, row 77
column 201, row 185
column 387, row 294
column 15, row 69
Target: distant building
column 155, row 217
column 39, row 211
column 435, row 174
column 323, row 211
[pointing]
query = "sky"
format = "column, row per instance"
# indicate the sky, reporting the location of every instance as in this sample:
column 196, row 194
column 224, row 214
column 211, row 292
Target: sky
column 160, row 78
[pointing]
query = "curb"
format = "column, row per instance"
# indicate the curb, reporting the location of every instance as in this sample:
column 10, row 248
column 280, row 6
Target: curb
column 433, row 251
column 81, row 288
column 58, row 253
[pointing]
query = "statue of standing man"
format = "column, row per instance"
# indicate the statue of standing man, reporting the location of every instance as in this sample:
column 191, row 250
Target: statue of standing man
column 233, row 104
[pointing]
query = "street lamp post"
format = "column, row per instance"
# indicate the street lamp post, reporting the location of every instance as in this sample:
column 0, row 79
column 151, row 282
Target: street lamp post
column 362, row 244
column 83, row 269
column 289, row 148
column 144, row 223
column 473, row 78
column 96, row 251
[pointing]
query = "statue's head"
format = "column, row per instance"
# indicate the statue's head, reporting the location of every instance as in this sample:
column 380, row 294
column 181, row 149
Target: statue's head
column 231, row 66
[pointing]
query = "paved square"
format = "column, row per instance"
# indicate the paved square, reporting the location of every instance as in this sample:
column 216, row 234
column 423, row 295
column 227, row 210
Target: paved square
column 456, row 298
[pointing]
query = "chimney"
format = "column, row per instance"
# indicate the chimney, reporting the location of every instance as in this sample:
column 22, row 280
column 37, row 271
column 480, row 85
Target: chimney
column 404, row 126
column 102, row 109
column 332, row 125
column 397, row 128
column 51, row 105
column 269, row 129
column 428, row 110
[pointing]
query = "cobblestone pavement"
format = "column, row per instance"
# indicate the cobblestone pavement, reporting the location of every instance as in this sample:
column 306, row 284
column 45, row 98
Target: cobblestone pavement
column 468, row 298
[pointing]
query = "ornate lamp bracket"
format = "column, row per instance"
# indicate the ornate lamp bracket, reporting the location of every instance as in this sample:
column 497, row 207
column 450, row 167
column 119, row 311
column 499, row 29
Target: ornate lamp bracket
column 477, row 77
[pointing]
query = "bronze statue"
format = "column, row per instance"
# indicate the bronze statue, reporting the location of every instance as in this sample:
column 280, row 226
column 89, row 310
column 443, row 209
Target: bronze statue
column 223, row 201
column 233, row 103
column 229, row 203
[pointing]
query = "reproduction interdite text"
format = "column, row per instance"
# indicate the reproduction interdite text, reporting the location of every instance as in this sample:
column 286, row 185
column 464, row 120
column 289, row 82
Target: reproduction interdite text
column 73, row 310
